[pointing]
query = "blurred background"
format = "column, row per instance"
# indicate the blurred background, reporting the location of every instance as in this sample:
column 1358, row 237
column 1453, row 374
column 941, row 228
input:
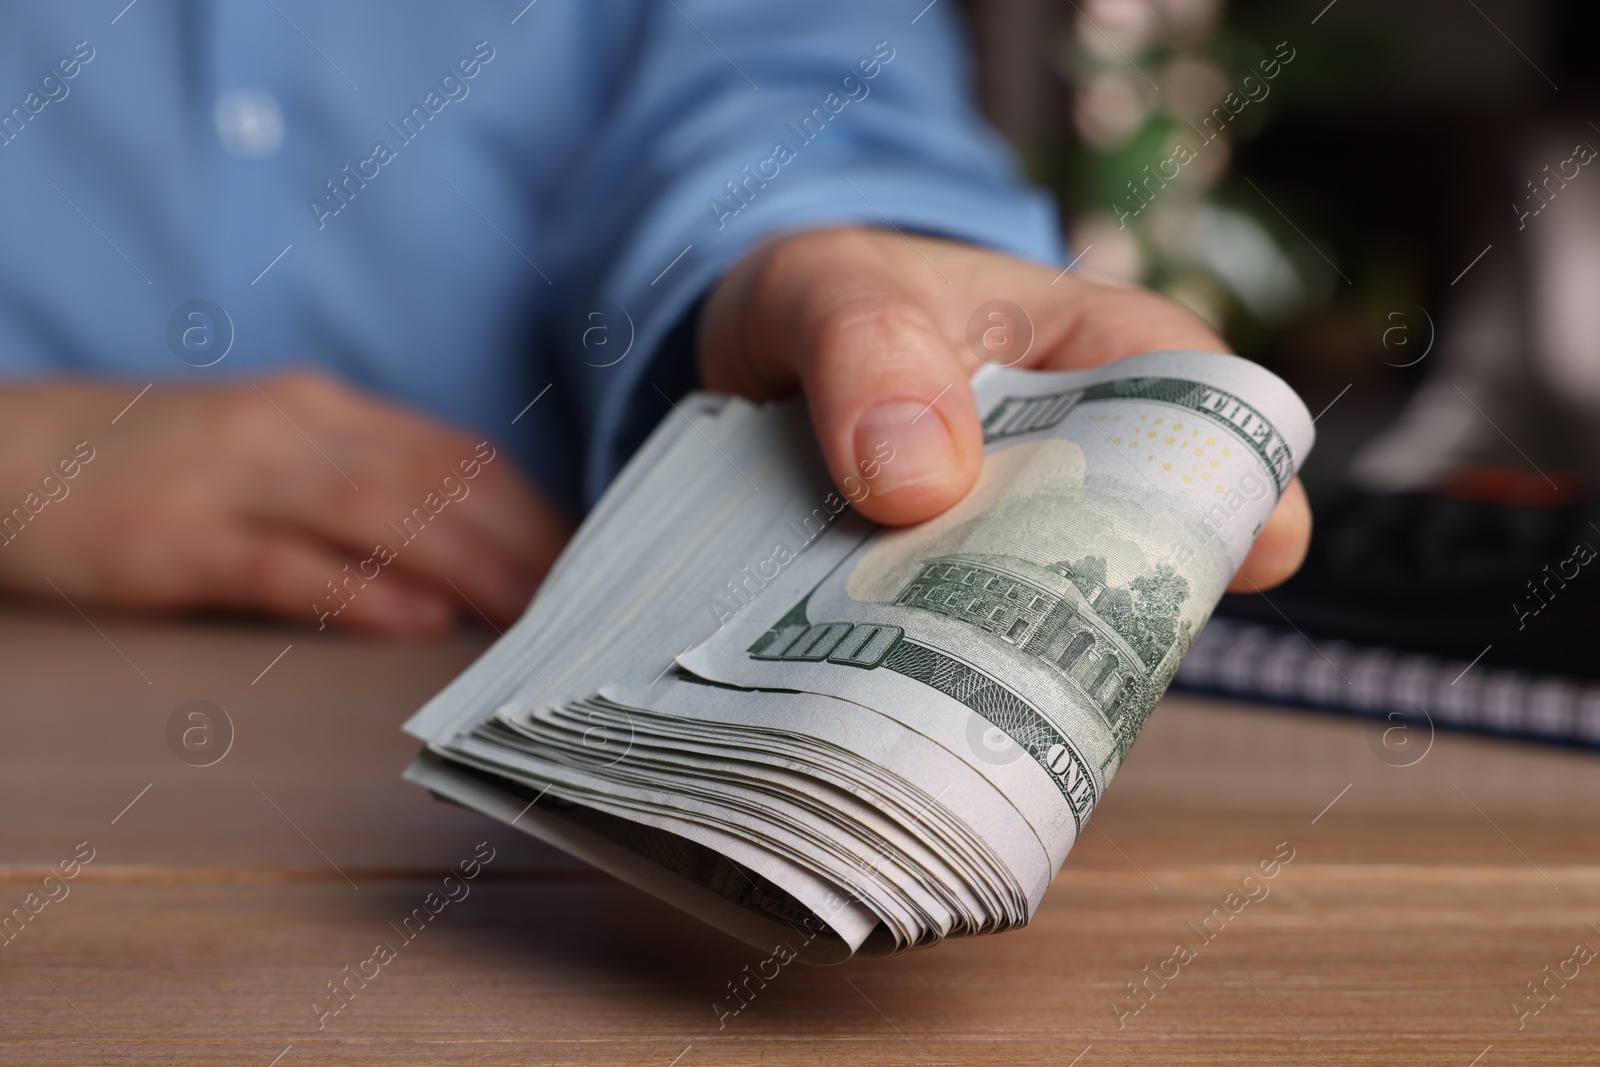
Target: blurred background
column 1392, row 206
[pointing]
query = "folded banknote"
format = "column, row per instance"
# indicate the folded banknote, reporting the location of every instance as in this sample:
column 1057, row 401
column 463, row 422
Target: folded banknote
column 738, row 694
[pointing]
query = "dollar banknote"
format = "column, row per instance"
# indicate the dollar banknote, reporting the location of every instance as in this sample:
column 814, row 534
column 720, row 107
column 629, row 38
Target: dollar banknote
column 737, row 693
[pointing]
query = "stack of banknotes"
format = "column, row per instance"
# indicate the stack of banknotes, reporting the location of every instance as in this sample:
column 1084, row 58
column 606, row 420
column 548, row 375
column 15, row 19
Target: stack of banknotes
column 739, row 695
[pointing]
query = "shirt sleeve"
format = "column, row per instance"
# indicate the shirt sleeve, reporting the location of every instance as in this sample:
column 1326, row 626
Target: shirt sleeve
column 727, row 121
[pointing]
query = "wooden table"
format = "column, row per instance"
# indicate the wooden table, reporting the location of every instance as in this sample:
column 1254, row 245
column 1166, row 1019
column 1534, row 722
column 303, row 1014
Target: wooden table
column 221, row 899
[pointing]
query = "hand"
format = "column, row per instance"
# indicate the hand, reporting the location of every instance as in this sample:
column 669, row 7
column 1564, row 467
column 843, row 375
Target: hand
column 256, row 497
column 872, row 326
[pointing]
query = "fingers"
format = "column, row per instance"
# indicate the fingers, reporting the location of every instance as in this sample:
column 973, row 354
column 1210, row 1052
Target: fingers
column 303, row 581
column 1083, row 323
column 891, row 406
column 408, row 496
column 876, row 335
column 886, row 390
column 1281, row 546
column 293, row 495
column 511, row 516
column 416, row 532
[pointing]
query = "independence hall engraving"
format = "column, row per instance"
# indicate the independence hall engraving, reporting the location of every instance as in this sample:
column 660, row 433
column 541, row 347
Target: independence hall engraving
column 1065, row 615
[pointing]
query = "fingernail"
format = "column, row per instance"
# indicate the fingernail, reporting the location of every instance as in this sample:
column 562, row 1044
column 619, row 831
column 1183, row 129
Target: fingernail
column 905, row 443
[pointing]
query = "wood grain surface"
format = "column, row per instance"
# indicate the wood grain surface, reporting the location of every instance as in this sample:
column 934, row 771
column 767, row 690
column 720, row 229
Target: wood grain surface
column 1420, row 901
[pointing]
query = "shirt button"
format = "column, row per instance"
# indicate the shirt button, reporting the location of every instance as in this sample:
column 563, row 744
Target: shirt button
column 249, row 123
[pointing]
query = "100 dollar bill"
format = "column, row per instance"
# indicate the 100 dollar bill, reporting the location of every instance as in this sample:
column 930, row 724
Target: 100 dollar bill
column 1031, row 628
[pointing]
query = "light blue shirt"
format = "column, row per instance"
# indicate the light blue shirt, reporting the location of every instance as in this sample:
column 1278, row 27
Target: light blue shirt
column 467, row 206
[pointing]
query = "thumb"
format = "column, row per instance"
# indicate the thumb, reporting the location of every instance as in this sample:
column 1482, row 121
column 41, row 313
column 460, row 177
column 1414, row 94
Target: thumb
column 887, row 391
